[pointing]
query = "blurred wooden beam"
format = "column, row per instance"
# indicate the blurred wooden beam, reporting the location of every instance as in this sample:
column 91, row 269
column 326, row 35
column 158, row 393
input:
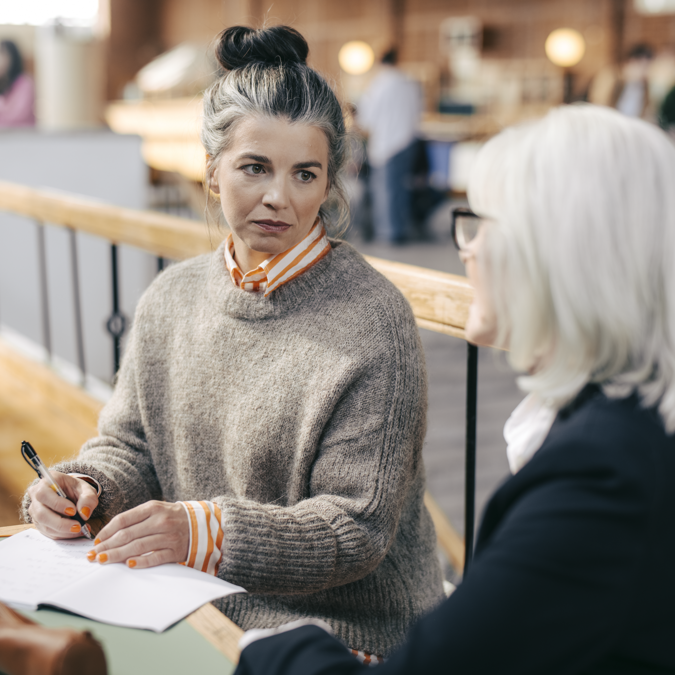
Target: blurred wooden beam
column 397, row 13
column 617, row 29
column 166, row 236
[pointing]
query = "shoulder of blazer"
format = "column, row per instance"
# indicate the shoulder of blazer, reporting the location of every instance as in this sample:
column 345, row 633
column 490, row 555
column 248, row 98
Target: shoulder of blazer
column 594, row 438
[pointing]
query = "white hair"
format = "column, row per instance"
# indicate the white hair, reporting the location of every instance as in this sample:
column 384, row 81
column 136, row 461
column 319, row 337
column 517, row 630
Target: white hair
column 580, row 257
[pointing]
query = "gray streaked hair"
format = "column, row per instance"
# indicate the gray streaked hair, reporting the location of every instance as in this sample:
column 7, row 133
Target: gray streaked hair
column 267, row 76
column 580, row 256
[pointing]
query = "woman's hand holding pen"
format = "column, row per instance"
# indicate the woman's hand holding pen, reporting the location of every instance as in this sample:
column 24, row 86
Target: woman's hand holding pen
column 151, row 534
column 52, row 515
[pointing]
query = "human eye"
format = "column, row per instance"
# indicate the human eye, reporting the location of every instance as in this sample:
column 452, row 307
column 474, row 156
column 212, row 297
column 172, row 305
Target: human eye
column 306, row 176
column 253, row 169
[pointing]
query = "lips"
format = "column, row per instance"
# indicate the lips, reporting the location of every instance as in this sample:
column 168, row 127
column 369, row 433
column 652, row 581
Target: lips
column 272, row 225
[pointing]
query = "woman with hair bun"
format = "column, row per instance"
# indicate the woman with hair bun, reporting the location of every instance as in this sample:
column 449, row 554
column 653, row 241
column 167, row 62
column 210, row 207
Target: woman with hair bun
column 572, row 268
column 273, row 393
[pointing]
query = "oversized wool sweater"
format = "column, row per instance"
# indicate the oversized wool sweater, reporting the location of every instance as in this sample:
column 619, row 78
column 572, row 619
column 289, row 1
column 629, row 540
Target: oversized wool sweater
column 302, row 415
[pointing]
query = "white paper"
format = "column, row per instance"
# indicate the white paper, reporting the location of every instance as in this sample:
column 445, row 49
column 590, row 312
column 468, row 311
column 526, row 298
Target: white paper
column 37, row 570
column 33, row 566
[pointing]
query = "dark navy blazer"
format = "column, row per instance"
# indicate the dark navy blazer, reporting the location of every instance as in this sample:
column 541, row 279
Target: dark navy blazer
column 574, row 570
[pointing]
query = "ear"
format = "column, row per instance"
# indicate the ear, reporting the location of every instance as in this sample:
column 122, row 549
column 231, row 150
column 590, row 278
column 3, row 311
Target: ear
column 213, row 181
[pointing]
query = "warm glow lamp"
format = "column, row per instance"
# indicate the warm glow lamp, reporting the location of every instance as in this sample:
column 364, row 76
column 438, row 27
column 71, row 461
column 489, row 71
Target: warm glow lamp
column 565, row 47
column 356, row 57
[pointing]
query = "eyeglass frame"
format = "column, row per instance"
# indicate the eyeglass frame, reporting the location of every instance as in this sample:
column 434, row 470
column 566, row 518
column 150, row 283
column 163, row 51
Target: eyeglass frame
column 464, row 212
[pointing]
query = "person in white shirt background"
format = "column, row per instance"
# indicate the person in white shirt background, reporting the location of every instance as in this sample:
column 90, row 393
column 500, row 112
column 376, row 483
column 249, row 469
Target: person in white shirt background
column 389, row 112
column 634, row 96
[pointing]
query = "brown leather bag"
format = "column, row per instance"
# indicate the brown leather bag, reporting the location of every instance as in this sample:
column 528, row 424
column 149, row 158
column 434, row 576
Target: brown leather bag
column 27, row 648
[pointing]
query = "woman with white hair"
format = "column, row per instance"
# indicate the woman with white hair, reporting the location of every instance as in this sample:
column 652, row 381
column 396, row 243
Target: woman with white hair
column 572, row 266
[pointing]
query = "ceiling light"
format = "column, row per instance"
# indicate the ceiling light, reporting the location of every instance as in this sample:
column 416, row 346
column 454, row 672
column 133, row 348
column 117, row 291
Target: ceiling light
column 565, row 47
column 356, row 57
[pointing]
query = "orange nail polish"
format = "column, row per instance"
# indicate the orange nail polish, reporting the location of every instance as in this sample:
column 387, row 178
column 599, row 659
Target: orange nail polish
column 97, row 541
column 75, row 528
column 103, row 557
column 70, row 511
column 91, row 556
column 85, row 511
column 131, row 563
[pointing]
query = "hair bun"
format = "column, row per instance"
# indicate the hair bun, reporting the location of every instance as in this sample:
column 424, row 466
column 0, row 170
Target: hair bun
column 240, row 46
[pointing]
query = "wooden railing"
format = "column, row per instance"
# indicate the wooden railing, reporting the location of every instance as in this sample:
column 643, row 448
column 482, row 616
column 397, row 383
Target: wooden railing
column 439, row 301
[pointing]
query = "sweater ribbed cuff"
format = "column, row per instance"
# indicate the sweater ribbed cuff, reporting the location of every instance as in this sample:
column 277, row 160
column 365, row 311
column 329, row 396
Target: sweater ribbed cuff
column 271, row 549
column 88, row 479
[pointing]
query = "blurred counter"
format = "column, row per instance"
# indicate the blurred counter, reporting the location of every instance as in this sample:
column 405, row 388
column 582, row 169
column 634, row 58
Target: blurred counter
column 170, row 133
column 170, row 130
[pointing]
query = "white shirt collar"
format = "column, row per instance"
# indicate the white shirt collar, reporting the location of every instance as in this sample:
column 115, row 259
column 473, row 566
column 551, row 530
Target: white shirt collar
column 526, row 429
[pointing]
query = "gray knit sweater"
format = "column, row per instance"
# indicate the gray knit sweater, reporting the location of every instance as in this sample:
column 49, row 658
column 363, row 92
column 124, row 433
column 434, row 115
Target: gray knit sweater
column 302, row 415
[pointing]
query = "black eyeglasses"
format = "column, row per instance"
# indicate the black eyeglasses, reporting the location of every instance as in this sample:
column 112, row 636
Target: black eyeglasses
column 465, row 224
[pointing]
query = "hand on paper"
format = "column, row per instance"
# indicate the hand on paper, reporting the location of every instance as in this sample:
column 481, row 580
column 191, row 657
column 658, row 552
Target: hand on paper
column 151, row 534
column 50, row 513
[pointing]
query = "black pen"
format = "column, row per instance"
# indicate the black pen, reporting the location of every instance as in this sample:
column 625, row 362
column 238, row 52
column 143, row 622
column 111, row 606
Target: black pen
column 36, row 464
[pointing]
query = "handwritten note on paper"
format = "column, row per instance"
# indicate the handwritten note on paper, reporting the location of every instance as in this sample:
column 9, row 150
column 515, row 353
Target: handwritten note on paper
column 36, row 570
column 32, row 566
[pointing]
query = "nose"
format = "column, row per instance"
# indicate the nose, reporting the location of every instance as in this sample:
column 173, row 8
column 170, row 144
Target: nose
column 276, row 193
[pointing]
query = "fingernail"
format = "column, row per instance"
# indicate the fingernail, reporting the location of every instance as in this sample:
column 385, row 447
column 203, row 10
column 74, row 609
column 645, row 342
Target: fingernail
column 85, row 511
column 97, row 541
column 91, row 556
column 70, row 511
column 103, row 557
column 131, row 563
column 75, row 528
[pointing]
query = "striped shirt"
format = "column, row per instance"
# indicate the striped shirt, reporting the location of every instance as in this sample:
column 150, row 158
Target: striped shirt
column 366, row 658
column 281, row 268
column 206, row 532
column 206, row 536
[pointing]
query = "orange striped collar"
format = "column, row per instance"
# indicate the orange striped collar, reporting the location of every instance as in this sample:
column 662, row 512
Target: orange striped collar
column 281, row 268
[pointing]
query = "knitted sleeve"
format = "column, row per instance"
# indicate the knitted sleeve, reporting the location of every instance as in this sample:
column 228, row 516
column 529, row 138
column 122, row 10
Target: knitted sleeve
column 118, row 459
column 358, row 485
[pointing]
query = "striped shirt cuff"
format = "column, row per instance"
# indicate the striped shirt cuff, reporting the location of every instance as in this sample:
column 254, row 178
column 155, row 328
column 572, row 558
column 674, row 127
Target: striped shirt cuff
column 206, row 536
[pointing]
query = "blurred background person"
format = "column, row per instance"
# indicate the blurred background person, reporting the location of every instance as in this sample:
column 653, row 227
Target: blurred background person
column 634, row 92
column 17, row 93
column 625, row 87
column 390, row 112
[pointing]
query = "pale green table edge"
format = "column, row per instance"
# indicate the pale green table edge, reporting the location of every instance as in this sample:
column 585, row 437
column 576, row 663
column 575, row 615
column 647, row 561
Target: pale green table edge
column 178, row 650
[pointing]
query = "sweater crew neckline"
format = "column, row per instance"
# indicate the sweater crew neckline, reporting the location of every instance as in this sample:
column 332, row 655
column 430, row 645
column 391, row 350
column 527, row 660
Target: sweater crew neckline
column 243, row 304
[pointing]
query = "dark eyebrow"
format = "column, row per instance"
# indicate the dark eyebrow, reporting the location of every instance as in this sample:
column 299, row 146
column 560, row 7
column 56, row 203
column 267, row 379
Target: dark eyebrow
column 261, row 159
column 308, row 165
